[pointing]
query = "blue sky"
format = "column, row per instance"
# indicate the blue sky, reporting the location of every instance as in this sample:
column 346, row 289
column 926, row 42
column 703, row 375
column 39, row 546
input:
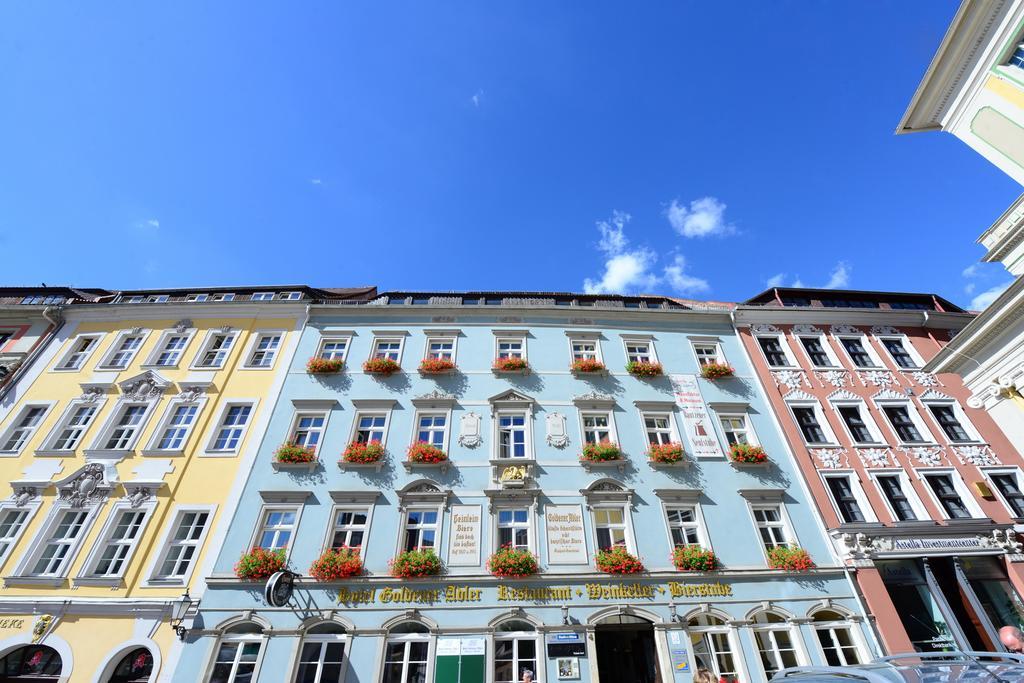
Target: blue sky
column 699, row 149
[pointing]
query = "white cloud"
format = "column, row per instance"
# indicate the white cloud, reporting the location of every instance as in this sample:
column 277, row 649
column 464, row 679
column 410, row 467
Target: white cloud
column 148, row 224
column 629, row 272
column 682, row 282
column 775, row 280
column 970, row 287
column 705, row 216
column 315, row 181
column 840, row 276
column 972, row 270
column 477, row 97
column 984, row 299
column 613, row 238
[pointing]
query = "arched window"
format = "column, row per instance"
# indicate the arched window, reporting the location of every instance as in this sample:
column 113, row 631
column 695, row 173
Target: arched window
column 322, row 657
column 713, row 646
column 406, row 654
column 774, row 638
column 515, row 651
column 835, row 635
column 238, row 654
column 31, row 664
column 135, row 667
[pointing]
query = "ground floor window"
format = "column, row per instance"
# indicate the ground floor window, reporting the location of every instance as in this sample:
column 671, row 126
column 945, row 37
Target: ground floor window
column 31, row 664
column 238, row 654
column 406, row 654
column 515, row 652
column 322, row 657
column 835, row 635
column 712, row 645
column 134, row 667
column 774, row 639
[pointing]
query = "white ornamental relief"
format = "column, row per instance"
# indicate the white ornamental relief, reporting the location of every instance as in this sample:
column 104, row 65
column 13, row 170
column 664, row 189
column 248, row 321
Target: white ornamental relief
column 557, row 435
column 888, row 395
column 791, row 379
column 932, row 395
column 929, row 456
column 800, row 395
column 469, row 430
column 836, row 378
column 858, row 545
column 844, row 329
column 925, row 379
column 806, row 329
column 874, row 457
column 885, row 330
column 878, row 378
column 764, row 328
column 830, row 458
column 1007, row 540
column 975, row 455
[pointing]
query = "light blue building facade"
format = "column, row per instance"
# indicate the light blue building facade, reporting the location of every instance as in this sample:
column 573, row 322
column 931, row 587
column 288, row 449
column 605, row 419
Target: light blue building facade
column 514, row 475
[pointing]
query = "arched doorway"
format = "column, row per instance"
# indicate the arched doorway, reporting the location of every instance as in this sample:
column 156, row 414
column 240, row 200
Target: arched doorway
column 136, row 666
column 626, row 650
column 31, row 664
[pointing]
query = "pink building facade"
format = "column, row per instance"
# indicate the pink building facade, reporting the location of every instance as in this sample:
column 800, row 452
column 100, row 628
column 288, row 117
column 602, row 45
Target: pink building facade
column 921, row 494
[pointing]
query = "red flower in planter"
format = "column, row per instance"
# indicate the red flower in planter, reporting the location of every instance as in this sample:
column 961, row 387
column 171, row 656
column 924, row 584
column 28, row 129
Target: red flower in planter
column 415, row 563
column 693, row 558
column 512, row 562
column 665, row 452
column 747, row 454
column 618, row 560
column 716, row 371
column 292, row 453
column 586, row 365
column 639, row 368
column 337, row 563
column 424, row 452
column 324, row 366
column 381, row 366
column 259, row 564
column 791, row 558
column 510, row 364
column 363, row 452
column 603, row 451
column 434, row 366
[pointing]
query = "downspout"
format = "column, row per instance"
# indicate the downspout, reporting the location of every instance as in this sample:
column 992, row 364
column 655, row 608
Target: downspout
column 52, row 315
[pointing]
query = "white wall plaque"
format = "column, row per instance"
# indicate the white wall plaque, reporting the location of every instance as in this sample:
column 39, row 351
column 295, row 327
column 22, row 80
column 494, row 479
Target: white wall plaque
column 557, row 435
column 464, row 548
column 469, row 430
column 700, row 431
column 567, row 542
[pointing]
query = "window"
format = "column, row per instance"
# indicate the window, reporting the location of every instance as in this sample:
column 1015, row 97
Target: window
column 232, row 426
column 124, row 351
column 515, row 651
column 735, row 429
column 511, row 348
column 333, row 348
column 949, row 422
column 514, row 528
column 610, row 526
column 902, row 423
column 126, row 427
column 406, row 654
column 511, row 435
column 5, row 336
column 308, row 429
column 61, row 540
column 807, row 420
column 24, row 426
column 706, row 352
column 948, row 496
column 900, row 355
column 835, row 635
column 584, row 349
column 12, row 523
column 596, row 427
column 683, row 525
column 774, row 639
column 174, row 433
column 69, row 431
column 222, row 297
column 1017, row 58
column 842, row 495
column 421, row 528
column 771, row 526
column 859, row 356
column 197, row 297
column 855, row 424
column 773, row 352
column 264, row 351
column 1009, row 488
column 171, row 349
column 431, row 428
column 639, row 352
column 238, row 655
column 848, row 303
column 658, row 428
column 81, row 349
column 36, row 300
column 290, row 296
column 322, row 657
column 370, row 427
column 276, row 528
column 135, row 666
column 816, row 352
column 891, row 486
column 118, row 543
column 262, row 296
column 349, row 527
column 387, row 348
column 439, row 348
column 712, row 646
column 183, row 545
column 216, row 349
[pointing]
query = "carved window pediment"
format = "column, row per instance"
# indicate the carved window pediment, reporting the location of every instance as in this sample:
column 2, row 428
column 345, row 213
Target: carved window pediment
column 143, row 387
column 844, row 395
column 806, row 329
column 88, row 485
column 607, row 491
column 932, row 395
column 799, row 395
column 422, row 491
column 889, row 395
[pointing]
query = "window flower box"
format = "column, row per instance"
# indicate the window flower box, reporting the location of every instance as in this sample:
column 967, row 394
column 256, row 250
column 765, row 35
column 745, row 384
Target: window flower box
column 513, row 563
column 603, row 454
column 747, row 454
column 693, row 558
column 336, row 564
column 587, row 366
column 381, row 366
column 717, row 371
column 426, row 454
column 617, row 560
column 790, row 558
column 517, row 366
column 666, row 454
column 260, row 564
column 412, row 564
column 359, row 454
column 644, row 369
column 324, row 366
column 290, row 456
column 436, row 366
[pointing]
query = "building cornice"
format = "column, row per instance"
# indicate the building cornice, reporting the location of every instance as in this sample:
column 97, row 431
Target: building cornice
column 198, row 310
column 786, row 315
column 1005, row 234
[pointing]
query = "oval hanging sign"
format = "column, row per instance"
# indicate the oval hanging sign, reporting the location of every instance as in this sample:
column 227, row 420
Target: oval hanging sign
column 279, row 589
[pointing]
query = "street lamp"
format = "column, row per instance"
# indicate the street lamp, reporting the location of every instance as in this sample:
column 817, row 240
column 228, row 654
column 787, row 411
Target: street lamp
column 179, row 609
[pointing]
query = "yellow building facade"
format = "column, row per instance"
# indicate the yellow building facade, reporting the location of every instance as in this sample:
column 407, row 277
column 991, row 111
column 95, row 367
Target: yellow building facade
column 124, row 452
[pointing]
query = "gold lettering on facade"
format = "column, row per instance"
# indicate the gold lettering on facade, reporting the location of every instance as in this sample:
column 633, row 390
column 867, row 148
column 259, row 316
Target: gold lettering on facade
column 12, row 623
column 633, row 591
column 462, row 594
column 528, row 594
column 695, row 590
column 455, row 593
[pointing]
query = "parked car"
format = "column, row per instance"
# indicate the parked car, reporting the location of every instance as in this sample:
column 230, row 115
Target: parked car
column 918, row 667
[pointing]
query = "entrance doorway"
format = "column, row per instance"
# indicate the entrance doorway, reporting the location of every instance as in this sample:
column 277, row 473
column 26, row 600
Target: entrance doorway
column 626, row 650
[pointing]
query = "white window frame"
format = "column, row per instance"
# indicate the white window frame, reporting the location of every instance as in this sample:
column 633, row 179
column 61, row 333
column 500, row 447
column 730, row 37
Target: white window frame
column 444, row 336
column 223, row 296
column 915, row 417
column 707, row 341
column 59, row 366
column 608, row 413
column 216, row 426
column 49, row 445
column 865, row 415
column 252, row 347
column 869, row 349
column 207, row 347
column 192, row 298
column 787, row 351
column 1015, row 472
column 512, row 336
column 349, row 507
column 703, row 537
column 115, row 347
column 323, row 639
column 974, row 436
column 527, row 415
column 156, row 560
column 300, row 413
column 732, row 413
column 516, row 637
column 668, row 414
column 329, row 338
column 832, row 627
column 87, row 572
column 267, row 508
column 289, row 296
column 531, row 522
column 16, row 420
column 388, row 336
column 405, row 639
column 30, row 508
column 627, row 521
column 909, row 492
column 153, row 446
column 365, row 408
column 769, row 628
column 640, row 339
column 158, row 350
column 111, row 423
column 904, row 340
column 241, row 639
column 42, row 538
column 958, row 483
column 826, row 347
column 262, row 296
column 446, row 430
column 788, row 531
column 573, row 337
column 819, row 415
column 735, row 651
column 855, row 487
column 404, row 524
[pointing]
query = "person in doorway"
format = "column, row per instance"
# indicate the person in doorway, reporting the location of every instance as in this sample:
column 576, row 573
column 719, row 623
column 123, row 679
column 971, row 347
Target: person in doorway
column 1012, row 639
column 527, row 676
column 704, row 676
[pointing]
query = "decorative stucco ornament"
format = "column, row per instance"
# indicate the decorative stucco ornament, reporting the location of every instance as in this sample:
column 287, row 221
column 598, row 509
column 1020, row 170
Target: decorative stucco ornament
column 830, row 458
column 878, row 378
column 88, row 486
column 874, row 457
column 925, row 379
column 792, row 379
column 930, row 456
column 975, row 455
column 469, row 430
column 557, row 435
column 836, row 378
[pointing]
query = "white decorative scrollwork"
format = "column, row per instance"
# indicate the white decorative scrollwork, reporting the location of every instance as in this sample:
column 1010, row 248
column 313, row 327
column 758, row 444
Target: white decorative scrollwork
column 857, row 546
column 88, row 486
column 844, row 329
column 932, row 395
column 593, row 397
column 1006, row 539
column 91, row 394
column 930, row 456
column 884, row 330
column 831, row 458
column 764, row 328
column 878, row 378
column 843, row 395
column 925, row 379
column 435, row 395
column 182, row 325
column 23, row 494
column 191, row 393
column 799, row 395
column 806, row 329
column 976, row 455
column 793, row 379
column 138, row 496
column 469, row 430
column 888, row 395
column 874, row 457
column 557, row 435
column 141, row 389
column 836, row 378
